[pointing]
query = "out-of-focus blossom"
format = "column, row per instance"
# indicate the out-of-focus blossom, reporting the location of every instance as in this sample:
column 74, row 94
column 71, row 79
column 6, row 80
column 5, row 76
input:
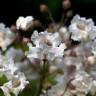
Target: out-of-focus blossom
column 30, row 70
column 75, row 61
column 6, row 37
column 82, row 28
column 24, row 23
column 15, row 54
column 91, row 60
column 93, row 88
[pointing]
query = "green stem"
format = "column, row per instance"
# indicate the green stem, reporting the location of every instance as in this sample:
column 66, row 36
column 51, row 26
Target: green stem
column 43, row 73
column 62, row 19
column 50, row 16
column 47, row 93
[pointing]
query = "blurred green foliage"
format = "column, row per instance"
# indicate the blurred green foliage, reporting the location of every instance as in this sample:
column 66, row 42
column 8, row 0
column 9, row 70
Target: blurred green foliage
column 3, row 80
column 54, row 5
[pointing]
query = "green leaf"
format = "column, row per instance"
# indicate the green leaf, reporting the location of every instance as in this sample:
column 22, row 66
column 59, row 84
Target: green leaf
column 31, row 89
column 12, row 94
column 27, row 91
column 19, row 45
column 52, row 80
column 1, row 93
column 3, row 80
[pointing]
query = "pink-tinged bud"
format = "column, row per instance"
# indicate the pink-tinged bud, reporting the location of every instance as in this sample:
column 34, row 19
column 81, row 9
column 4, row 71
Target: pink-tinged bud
column 13, row 28
column 66, row 4
column 43, row 8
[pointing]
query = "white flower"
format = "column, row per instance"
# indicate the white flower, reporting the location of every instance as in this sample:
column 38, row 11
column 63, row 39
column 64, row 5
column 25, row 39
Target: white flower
column 46, row 45
column 42, row 38
column 81, row 28
column 44, row 52
column 78, row 36
column 34, row 52
column 11, row 66
column 16, row 85
column 82, row 83
column 7, row 67
column 57, row 52
column 80, row 23
column 6, row 37
column 24, row 23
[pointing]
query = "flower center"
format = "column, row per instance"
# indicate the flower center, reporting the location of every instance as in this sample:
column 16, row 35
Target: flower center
column 15, row 83
column 81, row 25
column 48, row 43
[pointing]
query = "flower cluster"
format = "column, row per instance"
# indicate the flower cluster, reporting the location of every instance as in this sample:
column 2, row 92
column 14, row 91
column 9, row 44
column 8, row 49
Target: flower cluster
column 46, row 46
column 77, row 61
column 64, row 55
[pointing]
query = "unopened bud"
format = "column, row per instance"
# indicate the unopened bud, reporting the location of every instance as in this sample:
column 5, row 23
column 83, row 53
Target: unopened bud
column 66, row 4
column 43, row 8
column 69, row 14
column 37, row 23
column 13, row 28
column 25, row 40
column 52, row 69
column 91, row 60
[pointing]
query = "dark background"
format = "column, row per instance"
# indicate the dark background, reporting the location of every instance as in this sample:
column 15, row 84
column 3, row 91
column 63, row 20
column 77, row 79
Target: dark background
column 10, row 10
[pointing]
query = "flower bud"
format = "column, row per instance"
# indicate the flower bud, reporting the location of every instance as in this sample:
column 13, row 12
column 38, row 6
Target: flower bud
column 13, row 28
column 66, row 4
column 43, row 8
column 25, row 40
column 69, row 14
column 91, row 59
column 37, row 23
column 52, row 69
